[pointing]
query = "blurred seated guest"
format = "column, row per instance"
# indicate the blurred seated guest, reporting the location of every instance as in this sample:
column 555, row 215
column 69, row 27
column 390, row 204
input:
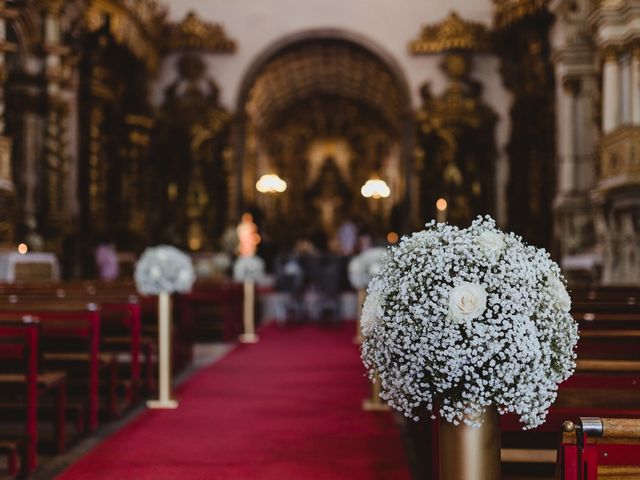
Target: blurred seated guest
column 290, row 280
column 347, row 237
column 305, row 247
column 107, row 261
column 365, row 242
column 329, row 286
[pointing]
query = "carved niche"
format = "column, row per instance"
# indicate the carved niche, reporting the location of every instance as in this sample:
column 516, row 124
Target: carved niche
column 191, row 152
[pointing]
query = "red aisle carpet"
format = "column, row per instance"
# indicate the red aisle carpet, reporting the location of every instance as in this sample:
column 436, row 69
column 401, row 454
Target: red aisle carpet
column 285, row 408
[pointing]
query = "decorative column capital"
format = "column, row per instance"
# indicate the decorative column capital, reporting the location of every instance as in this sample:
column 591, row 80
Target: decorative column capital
column 610, row 53
column 52, row 7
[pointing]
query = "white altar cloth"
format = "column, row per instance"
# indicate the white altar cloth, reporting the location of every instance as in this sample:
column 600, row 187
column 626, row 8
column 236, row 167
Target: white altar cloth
column 33, row 267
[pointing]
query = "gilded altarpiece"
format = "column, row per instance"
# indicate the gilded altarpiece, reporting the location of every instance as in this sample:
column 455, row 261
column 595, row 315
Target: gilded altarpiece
column 455, row 155
column 326, row 114
column 190, row 146
column 115, row 124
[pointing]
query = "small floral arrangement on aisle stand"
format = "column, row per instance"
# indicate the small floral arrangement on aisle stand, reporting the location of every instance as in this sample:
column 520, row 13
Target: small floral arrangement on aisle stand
column 362, row 268
column 162, row 271
column 248, row 270
column 468, row 324
column 221, row 263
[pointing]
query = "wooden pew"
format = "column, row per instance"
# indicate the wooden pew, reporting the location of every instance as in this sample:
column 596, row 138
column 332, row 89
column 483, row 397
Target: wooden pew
column 611, row 293
column 70, row 336
column 599, row 448
column 606, row 382
column 213, row 310
column 120, row 325
column 22, row 380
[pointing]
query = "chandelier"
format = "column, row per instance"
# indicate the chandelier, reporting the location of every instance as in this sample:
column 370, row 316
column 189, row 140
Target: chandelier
column 271, row 183
column 375, row 188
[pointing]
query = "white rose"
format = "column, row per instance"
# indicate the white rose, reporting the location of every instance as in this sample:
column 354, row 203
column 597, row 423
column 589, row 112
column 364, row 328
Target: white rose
column 371, row 313
column 491, row 242
column 559, row 294
column 467, row 301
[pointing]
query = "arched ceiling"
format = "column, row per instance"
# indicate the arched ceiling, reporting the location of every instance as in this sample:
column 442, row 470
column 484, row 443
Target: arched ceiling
column 323, row 68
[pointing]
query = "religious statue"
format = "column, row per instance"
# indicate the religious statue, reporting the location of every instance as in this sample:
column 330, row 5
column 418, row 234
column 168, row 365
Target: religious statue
column 328, row 194
column 248, row 237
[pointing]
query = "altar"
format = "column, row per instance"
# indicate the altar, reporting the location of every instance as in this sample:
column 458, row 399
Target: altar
column 29, row 267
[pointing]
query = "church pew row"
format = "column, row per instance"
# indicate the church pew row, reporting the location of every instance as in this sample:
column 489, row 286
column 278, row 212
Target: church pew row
column 210, row 311
column 121, row 324
column 599, row 448
column 70, row 341
column 606, row 382
column 120, row 330
column 23, row 380
column 213, row 310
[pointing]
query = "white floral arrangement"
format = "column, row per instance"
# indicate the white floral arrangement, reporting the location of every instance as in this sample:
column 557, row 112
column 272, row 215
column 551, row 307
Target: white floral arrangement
column 164, row 269
column 248, row 268
column 457, row 320
column 221, row 262
column 364, row 266
column 215, row 265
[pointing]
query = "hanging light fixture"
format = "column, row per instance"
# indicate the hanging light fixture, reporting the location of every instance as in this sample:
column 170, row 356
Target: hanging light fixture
column 271, row 183
column 375, row 188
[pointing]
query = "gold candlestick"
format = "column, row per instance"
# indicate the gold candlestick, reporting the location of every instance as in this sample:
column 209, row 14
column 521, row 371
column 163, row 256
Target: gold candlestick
column 374, row 403
column 470, row 453
column 165, row 399
column 249, row 335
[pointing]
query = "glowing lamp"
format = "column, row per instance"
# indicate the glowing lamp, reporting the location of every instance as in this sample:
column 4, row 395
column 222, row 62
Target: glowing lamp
column 375, row 188
column 271, row 183
column 23, row 249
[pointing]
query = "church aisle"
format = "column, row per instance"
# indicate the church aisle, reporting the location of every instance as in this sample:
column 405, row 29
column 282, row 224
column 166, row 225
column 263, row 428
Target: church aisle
column 285, row 408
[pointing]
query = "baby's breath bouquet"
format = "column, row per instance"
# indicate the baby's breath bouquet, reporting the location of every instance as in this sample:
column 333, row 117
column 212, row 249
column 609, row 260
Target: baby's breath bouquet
column 164, row 269
column 461, row 319
column 248, row 268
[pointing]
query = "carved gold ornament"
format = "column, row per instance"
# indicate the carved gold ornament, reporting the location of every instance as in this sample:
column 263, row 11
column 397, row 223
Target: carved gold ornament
column 453, row 33
column 195, row 33
column 510, row 11
column 137, row 24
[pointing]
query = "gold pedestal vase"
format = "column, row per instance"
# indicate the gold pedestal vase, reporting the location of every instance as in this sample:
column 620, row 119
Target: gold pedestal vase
column 165, row 398
column 470, row 453
column 248, row 315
